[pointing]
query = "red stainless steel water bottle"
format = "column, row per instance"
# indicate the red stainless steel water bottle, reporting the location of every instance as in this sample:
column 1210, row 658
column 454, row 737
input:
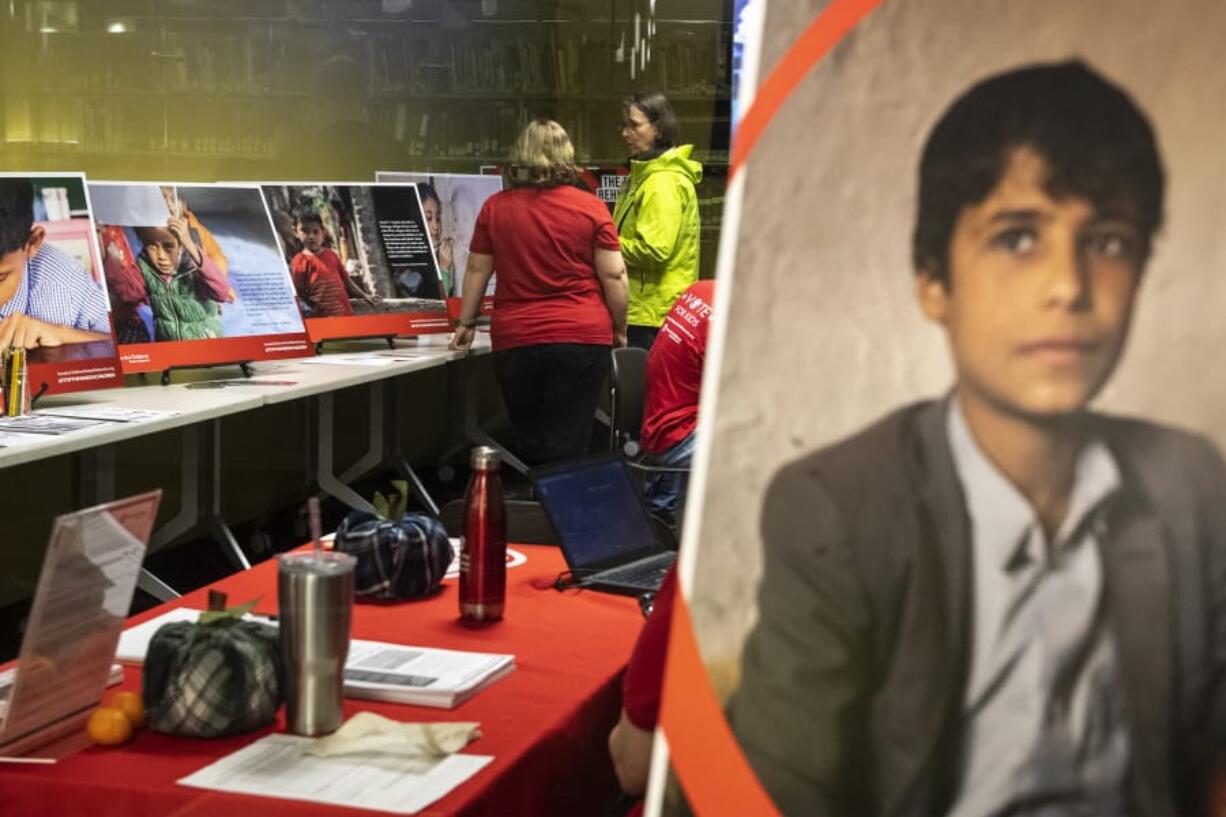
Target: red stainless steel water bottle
column 483, row 550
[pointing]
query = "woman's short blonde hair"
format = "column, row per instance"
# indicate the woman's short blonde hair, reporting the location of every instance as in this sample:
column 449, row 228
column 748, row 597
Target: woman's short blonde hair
column 542, row 156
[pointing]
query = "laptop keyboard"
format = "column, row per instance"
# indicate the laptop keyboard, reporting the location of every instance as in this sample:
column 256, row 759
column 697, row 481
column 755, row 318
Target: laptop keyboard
column 648, row 573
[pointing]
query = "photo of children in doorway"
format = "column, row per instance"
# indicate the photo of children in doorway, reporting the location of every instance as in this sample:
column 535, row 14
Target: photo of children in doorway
column 356, row 250
column 450, row 203
column 191, row 263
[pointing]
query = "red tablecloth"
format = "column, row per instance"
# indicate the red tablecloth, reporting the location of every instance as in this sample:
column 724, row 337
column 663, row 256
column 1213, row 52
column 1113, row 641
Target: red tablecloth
column 545, row 724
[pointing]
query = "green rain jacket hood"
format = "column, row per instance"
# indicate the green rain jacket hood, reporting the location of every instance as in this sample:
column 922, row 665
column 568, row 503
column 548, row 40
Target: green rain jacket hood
column 657, row 220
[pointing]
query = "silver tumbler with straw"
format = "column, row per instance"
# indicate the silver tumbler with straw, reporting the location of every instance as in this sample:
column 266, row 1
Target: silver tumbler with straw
column 315, row 600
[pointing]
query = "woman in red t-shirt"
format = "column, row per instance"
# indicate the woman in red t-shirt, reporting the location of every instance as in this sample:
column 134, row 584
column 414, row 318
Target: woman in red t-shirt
column 560, row 295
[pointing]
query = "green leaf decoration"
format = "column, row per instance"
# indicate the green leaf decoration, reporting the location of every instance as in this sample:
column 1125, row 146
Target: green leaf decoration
column 382, row 510
column 400, row 500
column 229, row 614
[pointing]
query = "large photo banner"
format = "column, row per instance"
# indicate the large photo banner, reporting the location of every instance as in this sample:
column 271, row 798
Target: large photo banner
column 956, row 532
column 361, row 258
column 195, row 276
column 53, row 299
column 450, row 204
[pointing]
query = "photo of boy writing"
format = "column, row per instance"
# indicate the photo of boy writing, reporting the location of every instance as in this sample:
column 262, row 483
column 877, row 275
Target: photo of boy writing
column 320, row 279
column 46, row 298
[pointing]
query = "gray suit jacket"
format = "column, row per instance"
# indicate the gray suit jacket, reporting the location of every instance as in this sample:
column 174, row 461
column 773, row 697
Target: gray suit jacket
column 853, row 679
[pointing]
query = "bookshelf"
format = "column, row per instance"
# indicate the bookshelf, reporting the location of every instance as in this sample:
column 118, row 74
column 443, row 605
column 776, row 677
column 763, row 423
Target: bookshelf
column 204, row 90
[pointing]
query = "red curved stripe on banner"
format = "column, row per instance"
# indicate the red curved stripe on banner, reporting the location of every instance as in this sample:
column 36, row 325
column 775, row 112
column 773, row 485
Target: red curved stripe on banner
column 823, row 34
column 703, row 752
column 705, row 756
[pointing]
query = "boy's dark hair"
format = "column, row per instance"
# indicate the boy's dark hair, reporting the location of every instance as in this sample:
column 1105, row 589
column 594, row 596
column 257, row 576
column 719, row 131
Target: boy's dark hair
column 659, row 112
column 307, row 215
column 1095, row 141
column 16, row 214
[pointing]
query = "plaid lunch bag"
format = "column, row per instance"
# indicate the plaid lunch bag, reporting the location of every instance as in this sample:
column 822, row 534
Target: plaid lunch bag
column 403, row 559
column 211, row 680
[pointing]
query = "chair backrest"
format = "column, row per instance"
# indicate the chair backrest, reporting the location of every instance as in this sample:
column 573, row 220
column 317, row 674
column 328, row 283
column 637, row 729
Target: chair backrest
column 527, row 522
column 627, row 381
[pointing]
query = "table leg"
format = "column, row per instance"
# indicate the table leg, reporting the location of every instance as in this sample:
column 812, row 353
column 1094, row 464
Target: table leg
column 375, row 448
column 95, row 476
column 217, row 527
column 200, row 454
column 394, row 456
column 96, row 485
column 324, row 477
column 473, row 433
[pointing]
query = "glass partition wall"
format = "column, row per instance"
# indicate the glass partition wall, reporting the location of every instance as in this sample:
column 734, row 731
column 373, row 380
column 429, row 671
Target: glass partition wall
column 202, row 90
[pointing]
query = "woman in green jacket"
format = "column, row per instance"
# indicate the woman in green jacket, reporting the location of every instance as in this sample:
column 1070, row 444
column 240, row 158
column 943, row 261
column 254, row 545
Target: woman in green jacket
column 656, row 214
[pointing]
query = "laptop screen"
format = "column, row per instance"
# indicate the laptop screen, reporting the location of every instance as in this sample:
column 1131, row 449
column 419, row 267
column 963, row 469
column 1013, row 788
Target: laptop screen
column 597, row 511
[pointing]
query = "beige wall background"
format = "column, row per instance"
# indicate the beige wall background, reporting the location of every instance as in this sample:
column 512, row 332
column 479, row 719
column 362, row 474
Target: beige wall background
column 823, row 333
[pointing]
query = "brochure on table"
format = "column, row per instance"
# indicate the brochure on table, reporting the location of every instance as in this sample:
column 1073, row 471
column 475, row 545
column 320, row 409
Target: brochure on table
column 195, row 276
column 360, row 258
column 451, row 203
column 84, row 591
column 53, row 298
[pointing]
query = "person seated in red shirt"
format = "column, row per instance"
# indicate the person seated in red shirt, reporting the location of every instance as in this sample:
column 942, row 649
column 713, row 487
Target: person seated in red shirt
column 320, row 279
column 642, row 685
column 670, row 402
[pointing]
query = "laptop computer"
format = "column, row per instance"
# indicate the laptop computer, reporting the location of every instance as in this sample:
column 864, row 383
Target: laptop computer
column 602, row 523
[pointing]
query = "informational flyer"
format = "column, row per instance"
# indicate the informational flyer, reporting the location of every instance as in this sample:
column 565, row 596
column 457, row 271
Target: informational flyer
column 84, row 592
column 195, row 276
column 278, row 766
column 360, row 258
column 53, row 299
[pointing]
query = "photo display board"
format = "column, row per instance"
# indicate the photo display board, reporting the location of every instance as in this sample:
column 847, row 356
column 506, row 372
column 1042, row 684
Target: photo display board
column 195, row 276
column 995, row 375
column 53, row 299
column 450, row 203
column 360, row 258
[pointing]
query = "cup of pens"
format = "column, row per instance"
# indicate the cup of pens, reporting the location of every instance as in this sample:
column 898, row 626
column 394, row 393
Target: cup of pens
column 14, row 391
column 315, row 601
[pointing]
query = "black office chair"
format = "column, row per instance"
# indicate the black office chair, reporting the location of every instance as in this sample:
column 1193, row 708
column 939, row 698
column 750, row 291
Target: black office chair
column 627, row 389
column 527, row 523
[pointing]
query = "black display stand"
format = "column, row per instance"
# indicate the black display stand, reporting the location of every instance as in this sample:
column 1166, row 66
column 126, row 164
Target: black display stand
column 391, row 341
column 243, row 365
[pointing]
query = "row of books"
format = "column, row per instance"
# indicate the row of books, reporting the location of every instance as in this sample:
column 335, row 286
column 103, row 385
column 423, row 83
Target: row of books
column 297, row 61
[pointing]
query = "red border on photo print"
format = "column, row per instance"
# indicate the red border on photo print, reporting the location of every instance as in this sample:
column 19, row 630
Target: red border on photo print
column 170, row 354
column 456, row 305
column 74, row 375
column 699, row 738
column 387, row 324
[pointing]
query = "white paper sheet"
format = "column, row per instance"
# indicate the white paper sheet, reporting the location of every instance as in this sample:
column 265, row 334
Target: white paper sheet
column 9, row 439
column 47, row 424
column 114, row 414
column 277, row 766
column 134, row 642
column 360, row 359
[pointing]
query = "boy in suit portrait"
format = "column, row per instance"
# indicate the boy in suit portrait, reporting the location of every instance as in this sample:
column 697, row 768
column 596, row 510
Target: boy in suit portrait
column 1003, row 602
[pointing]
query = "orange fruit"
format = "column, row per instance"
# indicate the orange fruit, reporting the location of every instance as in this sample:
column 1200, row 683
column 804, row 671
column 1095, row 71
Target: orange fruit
column 109, row 726
column 130, row 704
